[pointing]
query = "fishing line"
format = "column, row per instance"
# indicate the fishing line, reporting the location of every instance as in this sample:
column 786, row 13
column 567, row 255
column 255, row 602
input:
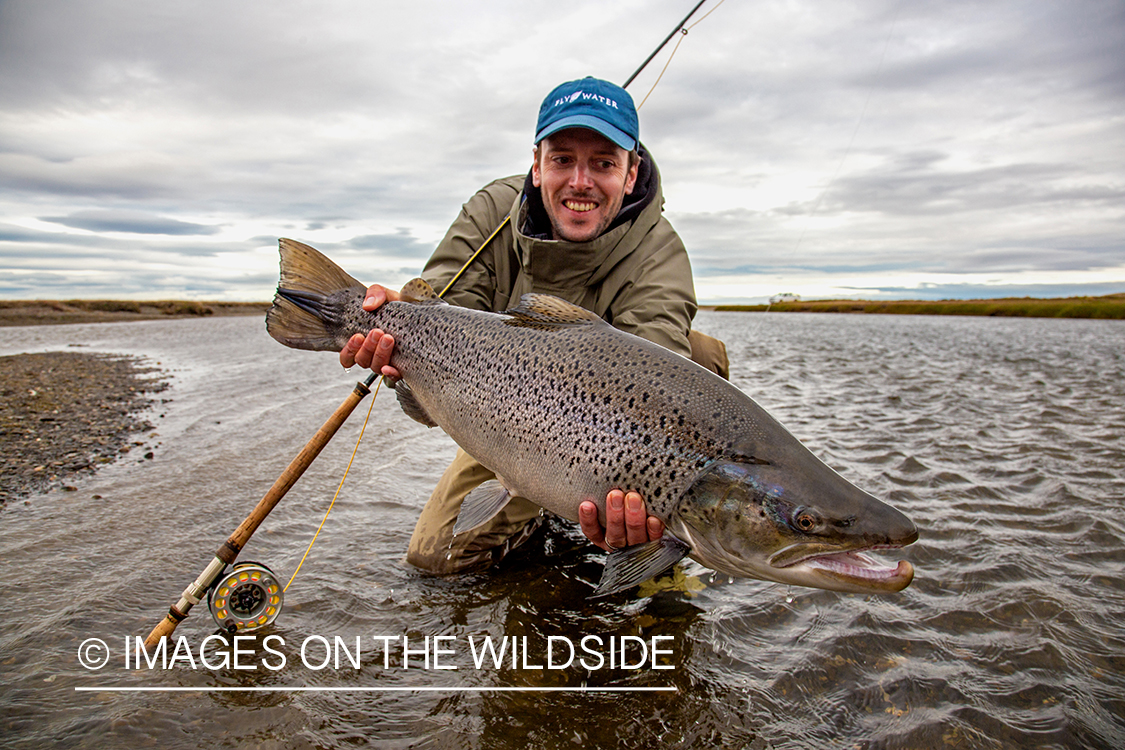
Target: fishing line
column 507, row 219
column 683, row 32
column 355, row 450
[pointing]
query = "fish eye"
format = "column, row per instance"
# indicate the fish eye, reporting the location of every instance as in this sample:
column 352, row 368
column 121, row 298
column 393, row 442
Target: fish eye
column 805, row 520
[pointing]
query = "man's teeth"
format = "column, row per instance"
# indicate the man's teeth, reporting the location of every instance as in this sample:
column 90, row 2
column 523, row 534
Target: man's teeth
column 580, row 206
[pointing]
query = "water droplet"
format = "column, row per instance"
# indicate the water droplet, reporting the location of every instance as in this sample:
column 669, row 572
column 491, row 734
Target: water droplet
column 788, row 595
column 347, row 370
column 448, row 555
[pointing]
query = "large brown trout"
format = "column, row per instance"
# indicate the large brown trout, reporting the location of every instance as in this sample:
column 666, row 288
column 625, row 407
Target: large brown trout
column 563, row 408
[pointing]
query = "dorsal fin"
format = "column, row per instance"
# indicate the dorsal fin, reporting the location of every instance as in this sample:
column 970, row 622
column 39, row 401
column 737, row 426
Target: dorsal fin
column 419, row 292
column 546, row 312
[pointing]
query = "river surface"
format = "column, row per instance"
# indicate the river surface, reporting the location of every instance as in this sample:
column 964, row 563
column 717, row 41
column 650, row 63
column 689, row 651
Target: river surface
column 1001, row 438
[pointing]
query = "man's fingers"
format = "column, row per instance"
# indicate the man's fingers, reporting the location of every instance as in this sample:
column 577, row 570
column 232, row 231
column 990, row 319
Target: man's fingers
column 347, row 354
column 372, row 351
column 636, row 521
column 626, row 521
column 616, row 535
column 377, row 295
column 591, row 526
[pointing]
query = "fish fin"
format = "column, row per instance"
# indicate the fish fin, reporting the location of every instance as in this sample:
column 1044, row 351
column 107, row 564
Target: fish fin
column 546, row 312
column 480, row 505
column 409, row 403
column 625, row 568
column 308, row 306
column 419, row 292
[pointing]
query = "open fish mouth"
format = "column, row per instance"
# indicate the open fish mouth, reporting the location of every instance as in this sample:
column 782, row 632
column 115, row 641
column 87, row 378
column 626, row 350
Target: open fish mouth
column 855, row 571
column 851, row 570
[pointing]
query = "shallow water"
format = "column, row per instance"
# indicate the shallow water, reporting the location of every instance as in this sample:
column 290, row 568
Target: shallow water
column 1001, row 439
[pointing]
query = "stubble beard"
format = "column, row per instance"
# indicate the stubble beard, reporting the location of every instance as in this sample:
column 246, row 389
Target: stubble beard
column 557, row 232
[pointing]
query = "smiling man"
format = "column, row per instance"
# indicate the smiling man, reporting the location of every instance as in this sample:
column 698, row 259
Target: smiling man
column 587, row 225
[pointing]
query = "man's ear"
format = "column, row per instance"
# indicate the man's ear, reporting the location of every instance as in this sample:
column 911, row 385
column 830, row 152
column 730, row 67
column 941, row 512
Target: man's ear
column 631, row 178
column 535, row 166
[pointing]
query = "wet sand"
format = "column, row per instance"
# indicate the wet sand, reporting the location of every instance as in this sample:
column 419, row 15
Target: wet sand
column 67, row 413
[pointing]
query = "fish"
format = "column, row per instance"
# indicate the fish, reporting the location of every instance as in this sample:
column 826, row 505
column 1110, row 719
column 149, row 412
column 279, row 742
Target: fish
column 563, row 408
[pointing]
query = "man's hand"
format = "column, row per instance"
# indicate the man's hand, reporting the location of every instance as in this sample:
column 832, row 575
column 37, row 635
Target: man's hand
column 626, row 522
column 372, row 351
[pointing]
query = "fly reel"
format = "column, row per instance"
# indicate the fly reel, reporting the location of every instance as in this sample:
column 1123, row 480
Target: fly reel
column 246, row 598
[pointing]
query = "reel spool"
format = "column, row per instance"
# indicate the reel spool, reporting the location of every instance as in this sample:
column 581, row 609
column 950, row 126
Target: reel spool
column 246, row 598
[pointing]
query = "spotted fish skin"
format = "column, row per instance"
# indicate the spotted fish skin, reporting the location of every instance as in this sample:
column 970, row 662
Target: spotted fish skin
column 562, row 407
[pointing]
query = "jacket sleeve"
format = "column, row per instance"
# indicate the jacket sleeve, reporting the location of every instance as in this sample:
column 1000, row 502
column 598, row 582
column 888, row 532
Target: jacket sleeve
column 479, row 217
column 658, row 303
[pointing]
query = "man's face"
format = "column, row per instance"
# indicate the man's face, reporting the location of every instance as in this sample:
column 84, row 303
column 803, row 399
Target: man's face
column 583, row 178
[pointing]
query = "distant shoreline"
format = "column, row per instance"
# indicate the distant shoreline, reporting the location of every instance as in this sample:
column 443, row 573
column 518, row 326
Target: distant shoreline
column 62, row 312
column 1110, row 307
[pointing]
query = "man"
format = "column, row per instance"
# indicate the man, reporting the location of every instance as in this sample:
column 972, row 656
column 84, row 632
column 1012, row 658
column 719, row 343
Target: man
column 585, row 225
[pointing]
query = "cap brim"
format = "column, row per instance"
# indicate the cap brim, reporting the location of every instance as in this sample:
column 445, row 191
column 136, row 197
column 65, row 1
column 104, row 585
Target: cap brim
column 618, row 136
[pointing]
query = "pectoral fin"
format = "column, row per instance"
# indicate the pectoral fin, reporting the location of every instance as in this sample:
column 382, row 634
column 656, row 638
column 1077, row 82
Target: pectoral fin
column 480, row 505
column 409, row 403
column 628, row 567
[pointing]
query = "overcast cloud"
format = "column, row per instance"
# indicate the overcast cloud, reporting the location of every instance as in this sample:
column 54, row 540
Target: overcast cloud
column 875, row 148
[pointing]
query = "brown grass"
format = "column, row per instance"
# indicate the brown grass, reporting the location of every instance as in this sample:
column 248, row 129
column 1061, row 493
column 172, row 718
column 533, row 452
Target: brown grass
column 1110, row 307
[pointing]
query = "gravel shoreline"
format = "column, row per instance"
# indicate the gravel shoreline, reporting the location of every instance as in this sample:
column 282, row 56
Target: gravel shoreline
column 64, row 414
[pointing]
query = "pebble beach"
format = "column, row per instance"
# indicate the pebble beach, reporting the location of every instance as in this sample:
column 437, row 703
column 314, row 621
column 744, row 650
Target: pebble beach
column 66, row 413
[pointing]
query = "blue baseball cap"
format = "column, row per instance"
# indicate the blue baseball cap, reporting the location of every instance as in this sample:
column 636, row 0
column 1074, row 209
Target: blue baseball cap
column 593, row 104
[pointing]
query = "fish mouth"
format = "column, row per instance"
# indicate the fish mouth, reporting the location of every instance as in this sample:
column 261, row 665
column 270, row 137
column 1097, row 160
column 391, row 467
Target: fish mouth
column 850, row 570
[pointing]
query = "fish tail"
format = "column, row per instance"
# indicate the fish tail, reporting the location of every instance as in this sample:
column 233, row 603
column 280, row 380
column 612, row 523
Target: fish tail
column 308, row 310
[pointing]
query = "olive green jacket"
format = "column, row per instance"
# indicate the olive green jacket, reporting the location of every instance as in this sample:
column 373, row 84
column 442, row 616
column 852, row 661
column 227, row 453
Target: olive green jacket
column 635, row 276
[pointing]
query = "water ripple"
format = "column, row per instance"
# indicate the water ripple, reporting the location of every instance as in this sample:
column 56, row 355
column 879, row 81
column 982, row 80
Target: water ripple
column 1004, row 440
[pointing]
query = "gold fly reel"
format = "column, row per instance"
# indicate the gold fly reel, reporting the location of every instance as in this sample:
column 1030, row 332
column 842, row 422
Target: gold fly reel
column 246, row 598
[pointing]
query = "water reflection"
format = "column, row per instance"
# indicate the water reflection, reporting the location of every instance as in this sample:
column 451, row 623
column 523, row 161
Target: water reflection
column 1002, row 439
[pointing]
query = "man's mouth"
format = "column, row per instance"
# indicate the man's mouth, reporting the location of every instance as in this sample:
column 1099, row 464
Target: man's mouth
column 580, row 206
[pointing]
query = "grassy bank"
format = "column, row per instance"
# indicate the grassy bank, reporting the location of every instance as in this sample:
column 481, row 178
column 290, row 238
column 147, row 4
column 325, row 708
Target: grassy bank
column 48, row 312
column 1109, row 307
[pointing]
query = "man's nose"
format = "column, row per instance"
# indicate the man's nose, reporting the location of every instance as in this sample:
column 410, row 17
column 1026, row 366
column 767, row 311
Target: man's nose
column 580, row 177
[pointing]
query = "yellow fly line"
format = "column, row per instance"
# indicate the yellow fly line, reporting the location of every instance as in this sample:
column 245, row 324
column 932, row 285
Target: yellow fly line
column 507, row 219
column 683, row 32
column 340, row 487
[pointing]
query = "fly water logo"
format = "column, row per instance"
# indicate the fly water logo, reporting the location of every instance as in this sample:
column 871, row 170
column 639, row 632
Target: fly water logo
column 571, row 98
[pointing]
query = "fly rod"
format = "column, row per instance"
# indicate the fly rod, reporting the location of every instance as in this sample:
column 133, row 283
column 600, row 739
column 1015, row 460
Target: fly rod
column 672, row 33
column 230, row 549
column 252, row 590
column 507, row 219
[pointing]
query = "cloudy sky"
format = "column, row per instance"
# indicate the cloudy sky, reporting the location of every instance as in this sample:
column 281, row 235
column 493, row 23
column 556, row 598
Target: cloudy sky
column 872, row 148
